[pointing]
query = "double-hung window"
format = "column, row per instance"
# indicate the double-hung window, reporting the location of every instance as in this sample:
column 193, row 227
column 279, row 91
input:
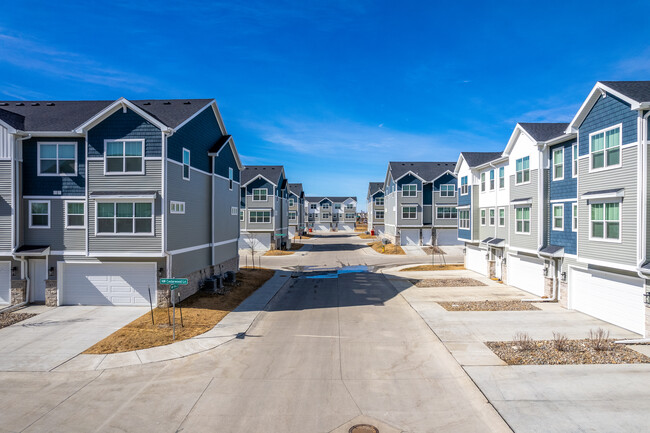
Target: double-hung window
column 502, row 217
column 326, row 215
column 605, row 148
column 502, row 177
column 241, row 215
column 464, row 187
column 492, row 216
column 491, row 180
column 379, row 201
column 447, row 190
column 259, row 194
column 337, row 206
column 558, row 217
column 409, row 212
column 259, row 216
column 558, row 164
column 482, row 182
column 75, row 214
column 483, row 221
column 313, row 206
column 522, row 220
column 39, row 214
column 574, row 160
column 379, row 214
column 124, row 157
column 57, row 159
column 325, row 206
column 463, row 219
column 349, row 216
column 446, row 212
column 186, row 164
column 349, row 206
column 574, row 217
column 522, row 166
column 292, row 215
column 605, row 221
column 124, row 218
column 291, row 201
column 409, row 190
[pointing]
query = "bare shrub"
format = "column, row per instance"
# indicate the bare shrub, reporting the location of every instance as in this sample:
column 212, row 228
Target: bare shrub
column 560, row 341
column 523, row 340
column 599, row 339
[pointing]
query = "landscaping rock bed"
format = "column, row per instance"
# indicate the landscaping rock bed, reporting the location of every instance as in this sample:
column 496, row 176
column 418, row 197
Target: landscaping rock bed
column 488, row 306
column 8, row 319
column 447, row 282
column 575, row 352
column 433, row 250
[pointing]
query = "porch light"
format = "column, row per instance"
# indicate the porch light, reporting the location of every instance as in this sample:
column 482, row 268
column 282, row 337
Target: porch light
column 487, row 256
column 51, row 271
column 563, row 277
column 503, row 261
column 546, row 271
column 464, row 251
column 160, row 272
column 646, row 298
column 14, row 270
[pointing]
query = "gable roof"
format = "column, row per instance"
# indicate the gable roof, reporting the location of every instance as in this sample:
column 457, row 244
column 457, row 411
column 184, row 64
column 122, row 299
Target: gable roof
column 295, row 188
column 374, row 187
column 474, row 159
column 637, row 90
column 544, row 131
column 333, row 199
column 425, row 170
column 270, row 172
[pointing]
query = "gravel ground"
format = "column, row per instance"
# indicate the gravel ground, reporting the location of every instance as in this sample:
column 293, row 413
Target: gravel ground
column 432, row 250
column 448, row 282
column 576, row 352
column 7, row 319
column 488, row 306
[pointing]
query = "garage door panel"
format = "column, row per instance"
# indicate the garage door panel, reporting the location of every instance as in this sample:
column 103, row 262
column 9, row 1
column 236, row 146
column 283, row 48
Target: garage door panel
column 5, row 283
column 526, row 274
column 447, row 237
column 475, row 260
column 410, row 237
column 260, row 241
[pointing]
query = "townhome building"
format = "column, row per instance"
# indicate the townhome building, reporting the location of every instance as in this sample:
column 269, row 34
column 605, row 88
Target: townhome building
column 420, row 203
column 331, row 213
column 98, row 196
column 297, row 215
column 264, row 214
column 375, row 203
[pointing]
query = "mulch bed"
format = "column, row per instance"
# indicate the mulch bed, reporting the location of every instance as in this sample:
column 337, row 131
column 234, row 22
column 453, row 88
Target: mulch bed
column 8, row 319
column 386, row 249
column 433, row 268
column 447, row 282
column 433, row 250
column 576, row 352
column 488, row 306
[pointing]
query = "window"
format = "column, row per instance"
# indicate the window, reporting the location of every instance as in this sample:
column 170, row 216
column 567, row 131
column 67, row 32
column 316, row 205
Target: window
column 233, row 210
column 326, row 215
column 574, row 156
column 483, row 222
column 292, row 202
column 259, row 216
column 491, row 180
column 292, row 215
column 523, row 170
column 313, row 206
column 259, row 194
column 325, row 206
column 178, row 207
column 409, row 212
column 463, row 219
column 124, row 218
column 39, row 214
column 446, row 212
column 379, row 214
column 447, row 190
column 482, row 182
column 605, row 221
column 464, row 187
column 349, row 206
column 186, row 165
column 605, row 148
column 574, row 217
column 124, row 156
column 379, row 201
column 492, row 217
column 502, row 177
column 558, row 164
column 522, row 218
column 57, row 159
column 231, row 175
column 502, row 217
column 349, row 216
column 558, row 217
column 241, row 215
column 410, row 190
column 74, row 214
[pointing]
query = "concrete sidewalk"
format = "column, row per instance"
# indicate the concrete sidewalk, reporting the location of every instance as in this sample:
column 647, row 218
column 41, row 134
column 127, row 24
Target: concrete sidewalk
column 234, row 325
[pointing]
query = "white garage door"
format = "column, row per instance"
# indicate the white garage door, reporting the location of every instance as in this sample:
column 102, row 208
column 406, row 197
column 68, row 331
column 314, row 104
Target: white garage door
column 5, row 283
column 292, row 232
column 409, row 237
column 108, row 284
column 447, row 237
column 427, row 237
column 259, row 241
column 379, row 230
column 526, row 273
column 346, row 227
column 475, row 260
column 610, row 297
column 322, row 227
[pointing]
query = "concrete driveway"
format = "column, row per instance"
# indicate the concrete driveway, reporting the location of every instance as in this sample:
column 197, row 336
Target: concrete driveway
column 44, row 342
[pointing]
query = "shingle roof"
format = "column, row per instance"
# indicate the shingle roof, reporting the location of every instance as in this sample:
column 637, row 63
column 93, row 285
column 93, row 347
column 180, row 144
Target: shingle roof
column 637, row 90
column 474, row 159
column 271, row 172
column 373, row 187
column 295, row 188
column 426, row 170
column 67, row 115
column 544, row 131
column 334, row 199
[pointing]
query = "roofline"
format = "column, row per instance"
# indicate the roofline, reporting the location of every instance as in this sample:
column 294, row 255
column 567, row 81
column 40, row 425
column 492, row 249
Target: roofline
column 513, row 138
column 445, row 172
column 194, row 115
column 112, row 108
column 458, row 163
column 230, row 142
column 414, row 174
column 488, row 163
column 255, row 178
column 8, row 127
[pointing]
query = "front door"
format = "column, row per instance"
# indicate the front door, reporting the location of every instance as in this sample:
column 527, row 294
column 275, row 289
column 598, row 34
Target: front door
column 498, row 258
column 37, row 276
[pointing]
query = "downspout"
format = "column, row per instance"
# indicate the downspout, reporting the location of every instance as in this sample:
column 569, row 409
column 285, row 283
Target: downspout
column 212, row 180
column 642, row 202
column 168, row 257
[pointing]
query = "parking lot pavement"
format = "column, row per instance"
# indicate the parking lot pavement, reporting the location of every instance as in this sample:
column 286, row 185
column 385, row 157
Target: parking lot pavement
column 44, row 342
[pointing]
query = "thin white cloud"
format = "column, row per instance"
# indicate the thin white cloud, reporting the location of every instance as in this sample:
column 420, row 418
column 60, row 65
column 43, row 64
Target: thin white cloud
column 559, row 114
column 635, row 68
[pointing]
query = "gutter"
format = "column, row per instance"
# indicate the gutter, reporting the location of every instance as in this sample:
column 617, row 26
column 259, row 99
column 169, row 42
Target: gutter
column 643, row 202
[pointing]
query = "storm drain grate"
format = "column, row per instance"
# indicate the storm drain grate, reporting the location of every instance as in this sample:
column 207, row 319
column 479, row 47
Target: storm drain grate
column 363, row 428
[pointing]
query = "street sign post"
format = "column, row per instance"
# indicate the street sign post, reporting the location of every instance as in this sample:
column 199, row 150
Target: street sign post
column 173, row 285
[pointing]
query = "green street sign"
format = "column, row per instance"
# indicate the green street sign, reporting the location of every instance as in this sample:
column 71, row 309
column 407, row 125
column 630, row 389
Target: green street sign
column 173, row 287
column 181, row 281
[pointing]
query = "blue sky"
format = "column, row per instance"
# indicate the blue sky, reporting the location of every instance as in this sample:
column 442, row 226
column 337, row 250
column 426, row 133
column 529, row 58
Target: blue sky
column 333, row 90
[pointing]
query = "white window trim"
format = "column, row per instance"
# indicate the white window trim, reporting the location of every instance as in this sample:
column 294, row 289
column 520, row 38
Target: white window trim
column 124, row 173
column 377, row 203
column 483, row 186
column 242, row 215
column 499, row 216
column 65, row 215
column 49, row 213
column 460, row 220
column 379, row 217
column 530, row 211
column 502, row 177
column 575, row 160
column 556, row 229
column 574, row 217
column 189, row 164
column 231, row 176
column 606, row 167
column 153, row 218
column 561, row 149
column 259, row 210
column 483, row 218
column 292, row 201
column 295, row 215
column 492, row 217
column 493, row 180
column 38, row 158
column 410, row 206
column 450, row 192
column 466, row 186
column 443, row 214
column 177, row 203
column 409, row 185
column 529, row 174
column 266, row 194
column 620, row 224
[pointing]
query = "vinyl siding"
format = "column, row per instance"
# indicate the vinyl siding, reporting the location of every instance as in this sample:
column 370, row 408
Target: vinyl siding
column 529, row 190
column 567, row 187
column 226, row 226
column 438, row 200
column 120, row 125
column 6, row 224
column 608, row 112
column 198, row 136
column 623, row 177
column 57, row 237
column 475, row 215
column 186, row 263
column 566, row 238
column 411, row 201
column 33, row 184
column 224, row 161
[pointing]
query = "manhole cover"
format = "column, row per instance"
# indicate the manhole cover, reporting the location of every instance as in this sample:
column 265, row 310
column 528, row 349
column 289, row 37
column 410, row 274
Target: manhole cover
column 363, row 428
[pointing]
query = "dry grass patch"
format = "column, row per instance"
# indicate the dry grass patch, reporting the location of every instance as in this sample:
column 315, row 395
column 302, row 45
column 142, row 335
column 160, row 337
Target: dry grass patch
column 433, row 268
column 386, row 249
column 361, row 228
column 448, row 282
column 366, row 236
column 306, row 236
column 488, row 306
column 201, row 312
column 278, row 253
column 430, row 250
column 8, row 319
